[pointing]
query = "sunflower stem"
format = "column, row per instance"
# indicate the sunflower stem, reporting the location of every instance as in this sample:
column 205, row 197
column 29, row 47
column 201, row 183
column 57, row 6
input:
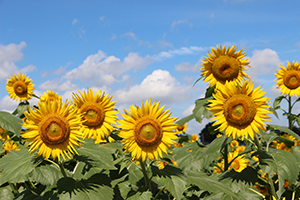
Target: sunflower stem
column 257, row 143
column 62, row 169
column 147, row 180
column 160, row 191
column 272, row 188
column 14, row 189
column 290, row 113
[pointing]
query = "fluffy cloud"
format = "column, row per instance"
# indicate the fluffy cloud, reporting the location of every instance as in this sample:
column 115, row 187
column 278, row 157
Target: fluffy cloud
column 176, row 23
column 9, row 54
column 187, row 67
column 159, row 85
column 182, row 51
column 101, row 69
column 7, row 104
column 264, row 62
column 56, row 86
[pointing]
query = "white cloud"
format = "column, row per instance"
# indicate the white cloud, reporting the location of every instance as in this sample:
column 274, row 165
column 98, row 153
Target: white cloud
column 181, row 51
column 101, row 18
column 7, row 104
column 176, row 23
column 130, row 35
column 187, row 67
column 56, row 86
column 159, row 85
column 28, row 68
column 263, row 62
column 62, row 69
column 9, row 54
column 163, row 44
column 188, row 111
column 189, row 79
column 113, row 37
column 101, row 69
column 75, row 21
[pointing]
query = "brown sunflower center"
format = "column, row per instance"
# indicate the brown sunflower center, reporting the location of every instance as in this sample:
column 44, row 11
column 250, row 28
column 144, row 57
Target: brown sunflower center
column 20, row 88
column 94, row 115
column 54, row 129
column 239, row 110
column 147, row 132
column 291, row 79
column 180, row 127
column 225, row 68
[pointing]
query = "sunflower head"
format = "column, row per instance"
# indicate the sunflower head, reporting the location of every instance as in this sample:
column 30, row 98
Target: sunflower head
column 223, row 65
column 181, row 128
column 19, row 87
column 49, row 97
column 53, row 129
column 10, row 145
column 3, row 137
column 239, row 110
column 98, row 114
column 147, row 131
column 239, row 163
column 288, row 79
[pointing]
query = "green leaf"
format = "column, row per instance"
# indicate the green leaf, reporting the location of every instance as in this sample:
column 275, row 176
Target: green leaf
column 277, row 102
column 96, row 187
column 96, row 156
column 210, row 184
column 16, row 166
column 124, row 188
column 200, row 111
column 283, row 129
column 185, row 119
column 175, row 185
column 6, row 193
column 135, row 174
column 141, row 196
column 22, row 107
column 46, row 174
column 10, row 122
column 210, row 91
column 247, row 176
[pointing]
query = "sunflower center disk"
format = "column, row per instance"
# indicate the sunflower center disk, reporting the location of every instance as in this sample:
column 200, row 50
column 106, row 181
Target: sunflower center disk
column 239, row 111
column 94, row 115
column 235, row 165
column 54, row 130
column 292, row 79
column 20, row 88
column 225, row 68
column 147, row 132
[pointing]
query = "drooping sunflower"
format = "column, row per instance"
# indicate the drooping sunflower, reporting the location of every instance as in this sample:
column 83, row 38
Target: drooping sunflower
column 224, row 65
column 240, row 110
column 49, row 97
column 99, row 113
column 53, row 129
column 288, row 79
column 19, row 87
column 147, row 131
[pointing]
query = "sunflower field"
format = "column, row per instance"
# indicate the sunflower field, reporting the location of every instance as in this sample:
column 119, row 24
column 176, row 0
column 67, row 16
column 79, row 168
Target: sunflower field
column 84, row 148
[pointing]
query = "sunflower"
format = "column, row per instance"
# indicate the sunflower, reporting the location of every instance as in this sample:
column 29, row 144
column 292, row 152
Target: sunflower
column 99, row 113
column 3, row 137
column 224, row 65
column 10, row 145
column 147, row 131
column 181, row 128
column 288, row 79
column 53, row 129
column 239, row 163
column 240, row 110
column 19, row 87
column 49, row 97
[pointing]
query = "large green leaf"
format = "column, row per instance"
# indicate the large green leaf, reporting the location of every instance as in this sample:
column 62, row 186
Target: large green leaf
column 247, row 176
column 96, row 187
column 22, row 107
column 185, row 119
column 96, row 156
column 10, row 122
column 141, row 196
column 16, row 166
column 175, row 185
column 210, row 184
column 6, row 193
column 46, row 174
column 200, row 111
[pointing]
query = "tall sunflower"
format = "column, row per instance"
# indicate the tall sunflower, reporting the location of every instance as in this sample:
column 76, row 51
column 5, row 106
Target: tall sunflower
column 288, row 79
column 19, row 87
column 224, row 65
column 239, row 163
column 239, row 110
column 147, row 131
column 49, row 97
column 99, row 113
column 53, row 129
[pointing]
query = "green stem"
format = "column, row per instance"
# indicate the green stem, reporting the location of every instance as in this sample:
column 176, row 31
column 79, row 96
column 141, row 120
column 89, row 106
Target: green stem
column 62, row 169
column 257, row 143
column 272, row 188
column 290, row 112
column 226, row 164
column 14, row 189
column 146, row 177
column 160, row 191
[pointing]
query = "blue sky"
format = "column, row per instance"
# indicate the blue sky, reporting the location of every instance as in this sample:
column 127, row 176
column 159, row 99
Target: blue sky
column 134, row 50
